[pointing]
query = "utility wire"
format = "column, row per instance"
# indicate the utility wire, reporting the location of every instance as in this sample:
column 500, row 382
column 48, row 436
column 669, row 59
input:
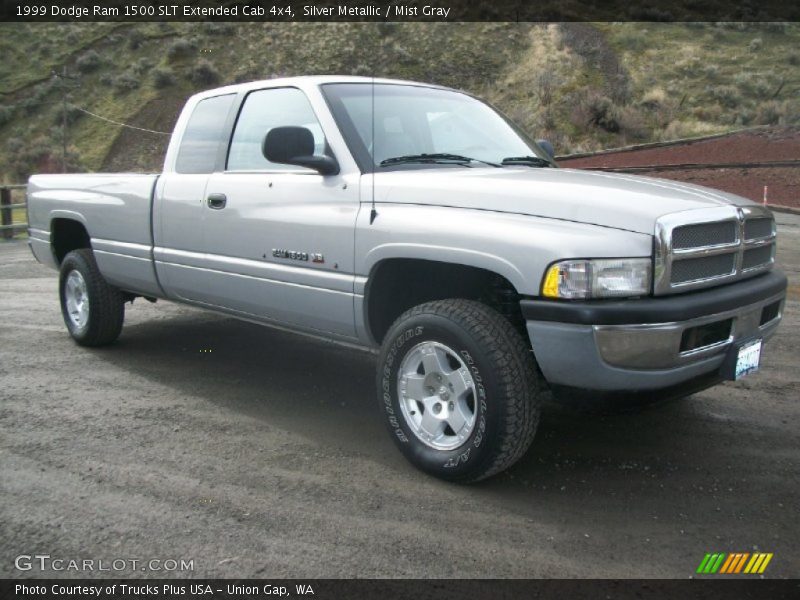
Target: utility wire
column 83, row 110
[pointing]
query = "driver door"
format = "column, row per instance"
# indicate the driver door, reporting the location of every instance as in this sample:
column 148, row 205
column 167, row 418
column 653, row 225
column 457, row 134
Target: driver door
column 279, row 239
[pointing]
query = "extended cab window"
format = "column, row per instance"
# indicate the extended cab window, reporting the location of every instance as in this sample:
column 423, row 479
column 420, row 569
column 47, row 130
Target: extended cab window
column 262, row 111
column 203, row 134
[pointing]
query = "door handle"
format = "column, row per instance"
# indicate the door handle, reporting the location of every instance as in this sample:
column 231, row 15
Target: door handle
column 217, row 201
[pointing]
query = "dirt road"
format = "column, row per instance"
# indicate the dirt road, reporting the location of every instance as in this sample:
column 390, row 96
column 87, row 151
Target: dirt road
column 258, row 453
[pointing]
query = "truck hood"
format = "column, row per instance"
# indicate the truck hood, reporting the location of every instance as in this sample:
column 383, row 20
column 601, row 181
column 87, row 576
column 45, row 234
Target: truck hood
column 617, row 200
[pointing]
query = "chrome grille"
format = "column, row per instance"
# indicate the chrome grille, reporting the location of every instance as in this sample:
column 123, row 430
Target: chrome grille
column 705, row 234
column 707, row 247
column 758, row 228
column 694, row 269
column 756, row 257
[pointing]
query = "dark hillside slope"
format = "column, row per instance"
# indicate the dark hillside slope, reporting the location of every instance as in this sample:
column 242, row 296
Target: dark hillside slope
column 584, row 86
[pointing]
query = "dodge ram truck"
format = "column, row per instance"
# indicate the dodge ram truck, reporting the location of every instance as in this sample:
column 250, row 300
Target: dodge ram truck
column 418, row 221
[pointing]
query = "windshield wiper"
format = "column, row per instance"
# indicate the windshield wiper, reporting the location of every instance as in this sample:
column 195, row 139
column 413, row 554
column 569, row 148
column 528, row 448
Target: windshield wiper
column 440, row 157
column 533, row 161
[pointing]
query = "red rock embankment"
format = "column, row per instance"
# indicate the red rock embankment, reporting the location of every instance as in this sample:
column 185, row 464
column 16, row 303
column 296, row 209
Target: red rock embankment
column 750, row 147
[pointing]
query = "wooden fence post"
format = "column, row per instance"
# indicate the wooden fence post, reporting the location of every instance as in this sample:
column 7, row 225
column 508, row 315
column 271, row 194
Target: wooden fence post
column 5, row 213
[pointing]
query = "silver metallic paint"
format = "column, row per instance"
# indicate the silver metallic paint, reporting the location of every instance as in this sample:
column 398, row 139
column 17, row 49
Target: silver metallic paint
column 155, row 235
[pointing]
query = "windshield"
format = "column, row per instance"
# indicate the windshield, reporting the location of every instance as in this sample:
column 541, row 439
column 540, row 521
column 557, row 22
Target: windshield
column 417, row 127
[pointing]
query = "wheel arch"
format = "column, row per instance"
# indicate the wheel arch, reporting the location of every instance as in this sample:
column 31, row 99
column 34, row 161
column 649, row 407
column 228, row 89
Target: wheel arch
column 387, row 294
column 68, row 232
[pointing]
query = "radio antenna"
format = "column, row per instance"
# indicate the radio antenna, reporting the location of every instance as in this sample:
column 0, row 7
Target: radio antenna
column 373, row 213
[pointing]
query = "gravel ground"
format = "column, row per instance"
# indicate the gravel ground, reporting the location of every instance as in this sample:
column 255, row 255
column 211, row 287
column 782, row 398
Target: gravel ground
column 259, row 453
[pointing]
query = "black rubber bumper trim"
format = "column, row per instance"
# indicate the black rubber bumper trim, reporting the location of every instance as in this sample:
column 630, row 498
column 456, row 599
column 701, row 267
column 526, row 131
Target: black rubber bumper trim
column 665, row 309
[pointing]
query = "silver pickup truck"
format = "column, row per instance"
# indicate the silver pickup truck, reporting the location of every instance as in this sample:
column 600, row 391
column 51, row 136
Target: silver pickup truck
column 419, row 220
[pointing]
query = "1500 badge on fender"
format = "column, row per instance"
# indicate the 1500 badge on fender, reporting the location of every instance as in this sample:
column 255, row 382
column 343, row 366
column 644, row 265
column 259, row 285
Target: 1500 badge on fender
column 290, row 254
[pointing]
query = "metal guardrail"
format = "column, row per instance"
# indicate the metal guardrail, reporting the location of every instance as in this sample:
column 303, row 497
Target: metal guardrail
column 678, row 142
column 8, row 227
column 775, row 164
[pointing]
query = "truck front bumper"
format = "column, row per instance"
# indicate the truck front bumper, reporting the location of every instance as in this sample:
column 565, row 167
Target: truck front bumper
column 651, row 343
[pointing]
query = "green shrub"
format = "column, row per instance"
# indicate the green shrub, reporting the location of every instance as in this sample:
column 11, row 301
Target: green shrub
column 125, row 82
column 744, row 79
column 658, row 106
column 602, row 112
column 727, row 95
column 89, row 62
column 774, row 112
column 141, row 66
column 204, row 73
column 677, row 130
column 180, row 48
column 594, row 109
column 653, row 98
column 711, row 113
column 744, row 117
column 632, row 124
column 6, row 113
column 14, row 144
column 711, row 71
column 769, row 113
column 135, row 38
column 763, row 88
column 163, row 77
column 31, row 105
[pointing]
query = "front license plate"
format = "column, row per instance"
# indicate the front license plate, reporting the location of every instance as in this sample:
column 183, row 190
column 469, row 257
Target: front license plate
column 748, row 359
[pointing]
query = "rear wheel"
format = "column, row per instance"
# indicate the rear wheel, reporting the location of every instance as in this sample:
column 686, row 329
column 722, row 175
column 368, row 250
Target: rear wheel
column 93, row 310
column 459, row 389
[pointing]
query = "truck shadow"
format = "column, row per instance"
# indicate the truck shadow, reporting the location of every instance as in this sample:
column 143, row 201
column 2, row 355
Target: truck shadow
column 325, row 392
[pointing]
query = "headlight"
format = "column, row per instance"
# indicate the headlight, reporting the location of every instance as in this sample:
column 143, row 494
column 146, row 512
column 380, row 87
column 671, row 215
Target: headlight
column 597, row 278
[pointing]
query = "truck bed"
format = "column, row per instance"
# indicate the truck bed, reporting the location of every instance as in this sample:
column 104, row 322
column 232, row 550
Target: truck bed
column 116, row 211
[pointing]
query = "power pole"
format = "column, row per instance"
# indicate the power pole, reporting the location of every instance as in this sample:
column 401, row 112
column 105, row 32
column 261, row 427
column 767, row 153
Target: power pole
column 63, row 77
column 64, row 123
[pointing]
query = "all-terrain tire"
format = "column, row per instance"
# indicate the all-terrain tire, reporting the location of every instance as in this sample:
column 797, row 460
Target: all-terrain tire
column 507, row 388
column 101, row 323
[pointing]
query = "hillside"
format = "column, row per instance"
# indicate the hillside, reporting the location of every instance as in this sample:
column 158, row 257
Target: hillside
column 583, row 86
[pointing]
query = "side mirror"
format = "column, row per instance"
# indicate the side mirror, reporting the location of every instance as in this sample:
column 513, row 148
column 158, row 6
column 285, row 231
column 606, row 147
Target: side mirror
column 547, row 147
column 295, row 146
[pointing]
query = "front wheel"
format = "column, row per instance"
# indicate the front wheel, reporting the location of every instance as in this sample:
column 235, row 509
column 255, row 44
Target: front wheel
column 93, row 310
column 459, row 389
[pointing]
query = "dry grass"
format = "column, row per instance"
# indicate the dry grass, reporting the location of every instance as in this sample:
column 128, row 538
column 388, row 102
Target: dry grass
column 679, row 79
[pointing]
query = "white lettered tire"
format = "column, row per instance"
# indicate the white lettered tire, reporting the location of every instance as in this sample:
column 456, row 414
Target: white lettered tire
column 459, row 389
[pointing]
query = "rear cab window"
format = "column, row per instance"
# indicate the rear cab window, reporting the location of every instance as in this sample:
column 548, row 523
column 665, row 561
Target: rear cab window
column 203, row 136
